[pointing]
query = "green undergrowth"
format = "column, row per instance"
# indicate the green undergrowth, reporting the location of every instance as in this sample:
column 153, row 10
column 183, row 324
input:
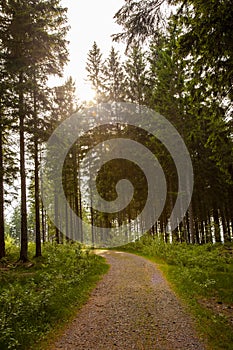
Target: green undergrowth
column 202, row 275
column 38, row 297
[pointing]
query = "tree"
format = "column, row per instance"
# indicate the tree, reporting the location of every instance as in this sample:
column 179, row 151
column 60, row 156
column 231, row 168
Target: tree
column 33, row 37
column 113, row 78
column 94, row 68
column 63, row 106
column 136, row 76
column 2, row 221
column 207, row 34
column 3, row 93
column 208, row 38
column 191, row 85
column 7, row 122
column 140, row 20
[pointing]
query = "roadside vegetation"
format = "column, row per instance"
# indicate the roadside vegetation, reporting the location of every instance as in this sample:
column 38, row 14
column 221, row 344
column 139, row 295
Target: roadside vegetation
column 202, row 275
column 38, row 297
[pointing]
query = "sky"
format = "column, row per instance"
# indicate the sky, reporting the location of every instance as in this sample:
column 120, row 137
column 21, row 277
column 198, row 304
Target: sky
column 90, row 20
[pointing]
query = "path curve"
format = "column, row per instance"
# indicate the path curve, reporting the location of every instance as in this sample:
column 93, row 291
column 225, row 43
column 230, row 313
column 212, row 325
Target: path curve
column 132, row 307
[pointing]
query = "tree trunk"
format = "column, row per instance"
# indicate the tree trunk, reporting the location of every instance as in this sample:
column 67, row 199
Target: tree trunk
column 36, row 174
column 68, row 230
column 24, row 231
column 202, row 232
column 216, row 226
column 197, row 235
column 208, row 229
column 57, row 234
column 191, row 223
column 228, row 220
column 37, row 200
column 43, row 211
column 175, row 233
column 92, row 225
column 80, row 209
column 184, row 230
column 226, row 235
column 76, row 192
column 2, row 228
column 187, row 227
column 43, row 223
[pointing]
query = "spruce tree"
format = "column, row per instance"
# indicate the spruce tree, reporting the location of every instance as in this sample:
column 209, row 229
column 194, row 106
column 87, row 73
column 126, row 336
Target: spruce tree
column 113, row 78
column 33, row 37
column 94, row 67
column 64, row 104
column 136, row 76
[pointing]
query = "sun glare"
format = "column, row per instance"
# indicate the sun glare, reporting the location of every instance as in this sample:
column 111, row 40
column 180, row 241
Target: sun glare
column 85, row 92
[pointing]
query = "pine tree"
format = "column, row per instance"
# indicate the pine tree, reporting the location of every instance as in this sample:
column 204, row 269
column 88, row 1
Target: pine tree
column 8, row 156
column 33, row 37
column 136, row 76
column 3, row 95
column 52, row 37
column 2, row 221
column 64, row 105
column 191, row 85
column 94, row 69
column 113, row 78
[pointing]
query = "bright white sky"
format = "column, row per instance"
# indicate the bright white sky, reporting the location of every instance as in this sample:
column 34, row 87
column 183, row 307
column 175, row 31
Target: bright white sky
column 90, row 20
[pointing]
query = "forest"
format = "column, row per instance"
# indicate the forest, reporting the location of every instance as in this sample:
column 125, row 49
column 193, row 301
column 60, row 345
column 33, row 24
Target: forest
column 178, row 62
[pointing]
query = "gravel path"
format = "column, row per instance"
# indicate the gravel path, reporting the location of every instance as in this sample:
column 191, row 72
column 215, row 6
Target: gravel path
column 132, row 307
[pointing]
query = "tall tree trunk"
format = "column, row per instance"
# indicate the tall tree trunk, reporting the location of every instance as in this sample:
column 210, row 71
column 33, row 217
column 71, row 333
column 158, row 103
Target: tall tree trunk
column 175, row 233
column 2, row 228
column 226, row 235
column 43, row 223
column 56, row 215
column 92, row 226
column 184, row 229
column 228, row 221
column 36, row 172
column 197, row 234
column 208, row 229
column 24, row 230
column 37, row 199
column 202, row 232
column 43, row 211
column 191, row 223
column 216, row 226
column 76, row 191
column 80, row 209
column 68, row 230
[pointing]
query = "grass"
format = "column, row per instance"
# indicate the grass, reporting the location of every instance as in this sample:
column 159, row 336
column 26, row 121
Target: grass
column 39, row 297
column 203, row 277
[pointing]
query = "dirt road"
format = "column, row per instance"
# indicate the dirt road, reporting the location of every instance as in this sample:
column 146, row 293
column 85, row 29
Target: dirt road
column 133, row 307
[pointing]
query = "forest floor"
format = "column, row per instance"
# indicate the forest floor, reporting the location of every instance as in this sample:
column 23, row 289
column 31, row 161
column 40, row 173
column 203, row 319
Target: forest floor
column 132, row 307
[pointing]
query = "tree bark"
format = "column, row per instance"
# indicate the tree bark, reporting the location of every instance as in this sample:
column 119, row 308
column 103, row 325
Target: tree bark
column 191, row 223
column 216, row 226
column 37, row 199
column 43, row 211
column 2, row 227
column 36, row 174
column 76, row 192
column 24, row 230
column 57, row 234
column 226, row 235
column 43, row 223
